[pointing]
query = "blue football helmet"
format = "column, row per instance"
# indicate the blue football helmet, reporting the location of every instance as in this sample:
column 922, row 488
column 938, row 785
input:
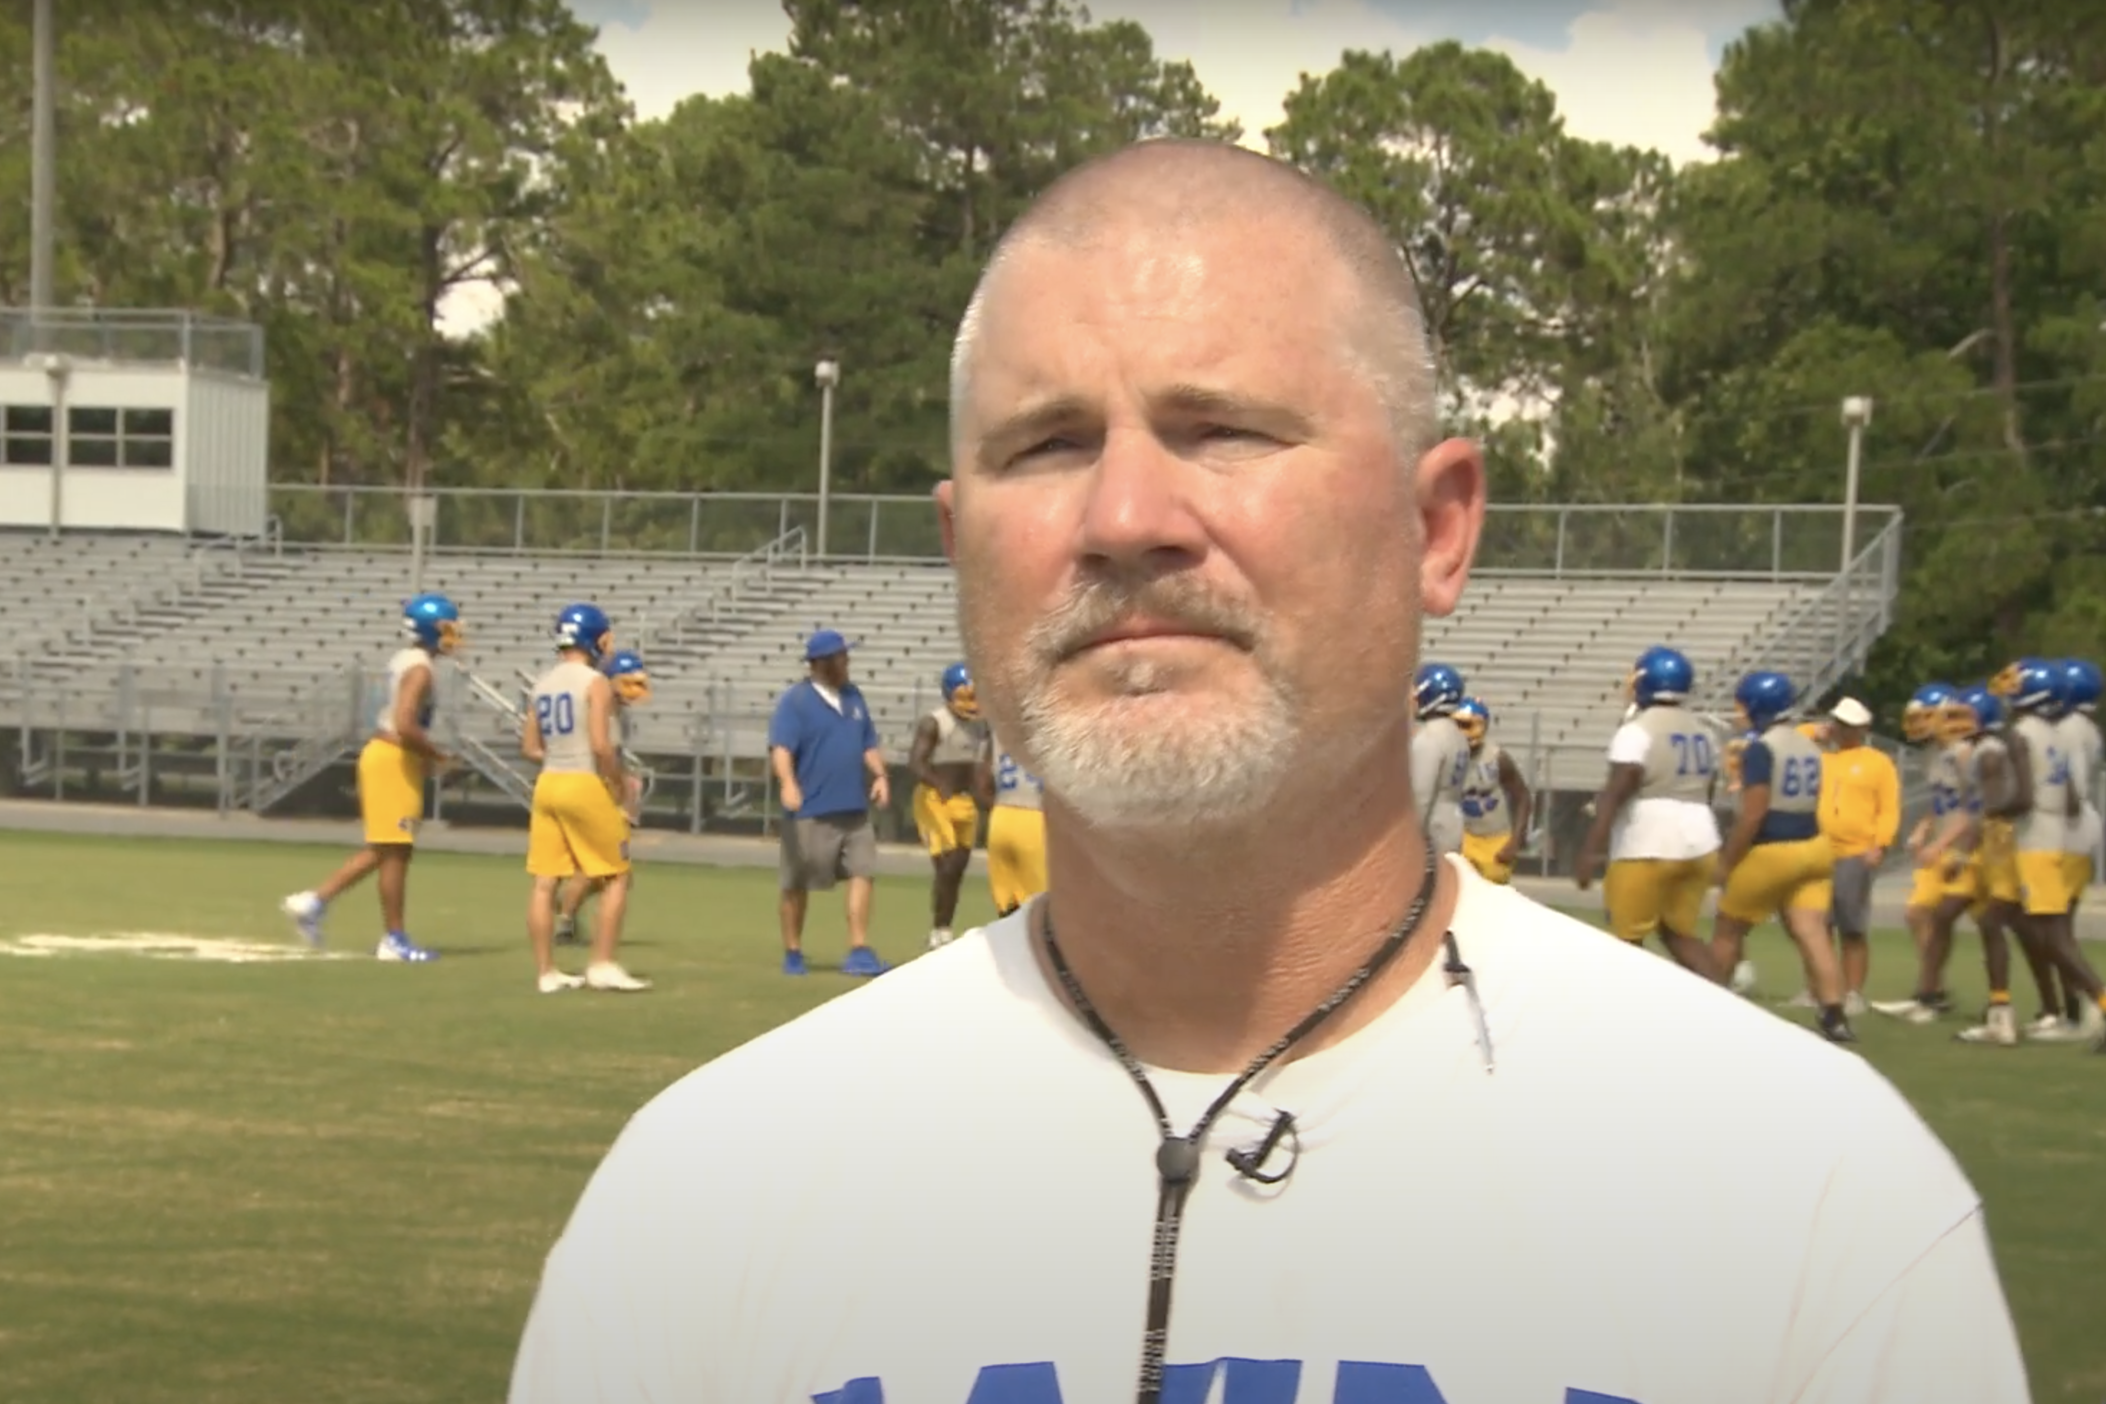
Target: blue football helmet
column 1661, row 674
column 1764, row 696
column 958, row 691
column 1438, row 691
column 1985, row 706
column 583, row 626
column 2033, row 685
column 1920, row 718
column 1474, row 718
column 632, row 683
column 432, row 621
column 2084, row 684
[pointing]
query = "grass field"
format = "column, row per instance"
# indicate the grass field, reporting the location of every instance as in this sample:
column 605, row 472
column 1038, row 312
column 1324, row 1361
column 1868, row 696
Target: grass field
column 315, row 1181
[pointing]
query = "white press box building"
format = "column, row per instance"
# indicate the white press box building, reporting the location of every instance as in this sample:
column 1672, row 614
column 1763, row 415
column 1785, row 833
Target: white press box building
column 126, row 420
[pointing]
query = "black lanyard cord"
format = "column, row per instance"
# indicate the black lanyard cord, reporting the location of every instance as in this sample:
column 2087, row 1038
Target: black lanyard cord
column 1177, row 1157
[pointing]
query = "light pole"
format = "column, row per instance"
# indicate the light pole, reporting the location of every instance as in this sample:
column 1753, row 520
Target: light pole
column 1857, row 413
column 43, row 142
column 828, row 374
column 58, row 369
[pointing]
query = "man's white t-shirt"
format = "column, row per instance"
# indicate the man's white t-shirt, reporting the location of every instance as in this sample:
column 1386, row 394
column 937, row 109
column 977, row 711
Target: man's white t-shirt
column 940, row 1189
column 1655, row 827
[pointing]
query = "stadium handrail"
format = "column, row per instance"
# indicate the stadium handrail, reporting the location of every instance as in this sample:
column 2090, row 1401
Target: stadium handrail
column 1782, row 542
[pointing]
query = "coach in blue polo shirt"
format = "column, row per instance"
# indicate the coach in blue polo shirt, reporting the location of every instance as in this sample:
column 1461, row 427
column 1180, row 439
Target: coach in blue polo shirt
column 824, row 750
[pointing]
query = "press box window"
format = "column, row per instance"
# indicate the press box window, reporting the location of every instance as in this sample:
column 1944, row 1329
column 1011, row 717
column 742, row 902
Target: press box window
column 28, row 438
column 97, row 438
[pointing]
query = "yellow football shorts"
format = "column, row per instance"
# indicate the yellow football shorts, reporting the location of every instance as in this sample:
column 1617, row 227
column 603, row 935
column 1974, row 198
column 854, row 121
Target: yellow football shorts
column 945, row 825
column 1932, row 886
column 1016, row 855
column 1998, row 858
column 576, row 827
column 2043, row 883
column 2076, row 874
column 1780, row 877
column 1481, row 851
column 390, row 792
column 1644, row 894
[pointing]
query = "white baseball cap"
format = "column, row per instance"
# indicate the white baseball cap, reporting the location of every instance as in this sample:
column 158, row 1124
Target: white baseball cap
column 1851, row 712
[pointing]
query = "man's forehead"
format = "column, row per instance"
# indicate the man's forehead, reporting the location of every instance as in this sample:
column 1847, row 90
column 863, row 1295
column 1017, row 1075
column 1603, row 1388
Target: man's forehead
column 1201, row 303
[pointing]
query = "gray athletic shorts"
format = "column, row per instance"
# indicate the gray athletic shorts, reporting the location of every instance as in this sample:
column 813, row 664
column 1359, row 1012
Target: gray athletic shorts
column 817, row 853
column 1851, row 909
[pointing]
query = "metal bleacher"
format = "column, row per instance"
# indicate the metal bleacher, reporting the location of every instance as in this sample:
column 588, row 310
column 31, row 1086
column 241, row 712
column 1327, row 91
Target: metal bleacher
column 274, row 644
column 1548, row 655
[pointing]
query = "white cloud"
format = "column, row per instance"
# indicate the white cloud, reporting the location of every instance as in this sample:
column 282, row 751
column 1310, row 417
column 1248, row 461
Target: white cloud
column 691, row 46
column 1638, row 75
column 1634, row 71
column 1253, row 60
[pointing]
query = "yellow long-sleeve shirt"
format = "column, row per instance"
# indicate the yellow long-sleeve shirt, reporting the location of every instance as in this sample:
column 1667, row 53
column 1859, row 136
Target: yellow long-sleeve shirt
column 1860, row 800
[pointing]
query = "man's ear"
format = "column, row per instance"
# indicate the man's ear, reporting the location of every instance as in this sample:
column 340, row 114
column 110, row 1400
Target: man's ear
column 1451, row 505
column 947, row 519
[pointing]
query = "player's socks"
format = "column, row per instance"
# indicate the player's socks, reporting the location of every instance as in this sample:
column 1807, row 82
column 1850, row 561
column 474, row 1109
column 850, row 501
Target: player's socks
column 1835, row 1025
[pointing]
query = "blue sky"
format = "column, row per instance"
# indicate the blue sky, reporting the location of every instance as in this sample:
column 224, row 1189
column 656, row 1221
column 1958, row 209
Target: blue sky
column 1633, row 71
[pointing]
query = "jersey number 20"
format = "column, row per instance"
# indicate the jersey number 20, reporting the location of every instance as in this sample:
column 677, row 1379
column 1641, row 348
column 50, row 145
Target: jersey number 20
column 558, row 715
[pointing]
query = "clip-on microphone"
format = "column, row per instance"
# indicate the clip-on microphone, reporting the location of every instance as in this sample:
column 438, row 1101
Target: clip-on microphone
column 1250, row 1163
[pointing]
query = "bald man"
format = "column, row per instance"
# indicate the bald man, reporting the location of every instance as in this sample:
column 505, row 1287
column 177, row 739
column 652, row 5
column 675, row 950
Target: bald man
column 1262, row 1100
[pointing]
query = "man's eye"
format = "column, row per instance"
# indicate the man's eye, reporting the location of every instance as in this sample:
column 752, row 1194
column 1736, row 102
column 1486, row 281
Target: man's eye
column 1044, row 447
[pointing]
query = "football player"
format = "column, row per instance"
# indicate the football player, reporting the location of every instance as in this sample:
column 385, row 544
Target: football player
column 1495, row 799
column 1776, row 862
column 2079, row 730
column 578, row 824
column 944, row 760
column 2044, row 805
column 1937, row 721
column 1016, row 829
column 632, row 689
column 1653, row 817
column 1993, row 783
column 392, row 768
column 1440, row 756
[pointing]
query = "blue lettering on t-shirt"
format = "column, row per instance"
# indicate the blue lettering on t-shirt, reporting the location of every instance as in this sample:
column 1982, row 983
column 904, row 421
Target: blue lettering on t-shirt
column 1242, row 1382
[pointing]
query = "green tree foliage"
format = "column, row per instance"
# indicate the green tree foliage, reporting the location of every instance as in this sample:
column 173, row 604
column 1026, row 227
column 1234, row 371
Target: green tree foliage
column 1533, row 254
column 840, row 209
column 1906, row 209
column 333, row 173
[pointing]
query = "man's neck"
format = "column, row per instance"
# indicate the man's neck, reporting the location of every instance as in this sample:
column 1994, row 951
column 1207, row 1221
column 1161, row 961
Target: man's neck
column 1200, row 950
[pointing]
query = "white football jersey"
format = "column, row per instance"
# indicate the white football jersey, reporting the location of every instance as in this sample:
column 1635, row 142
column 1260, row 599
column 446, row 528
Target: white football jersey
column 1440, row 768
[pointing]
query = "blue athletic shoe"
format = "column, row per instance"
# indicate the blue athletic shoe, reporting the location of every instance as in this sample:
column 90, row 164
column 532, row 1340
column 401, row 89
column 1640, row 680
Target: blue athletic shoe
column 863, row 961
column 793, row 962
column 398, row 946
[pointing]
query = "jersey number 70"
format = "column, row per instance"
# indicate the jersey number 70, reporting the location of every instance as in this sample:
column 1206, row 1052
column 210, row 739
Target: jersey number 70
column 1693, row 753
